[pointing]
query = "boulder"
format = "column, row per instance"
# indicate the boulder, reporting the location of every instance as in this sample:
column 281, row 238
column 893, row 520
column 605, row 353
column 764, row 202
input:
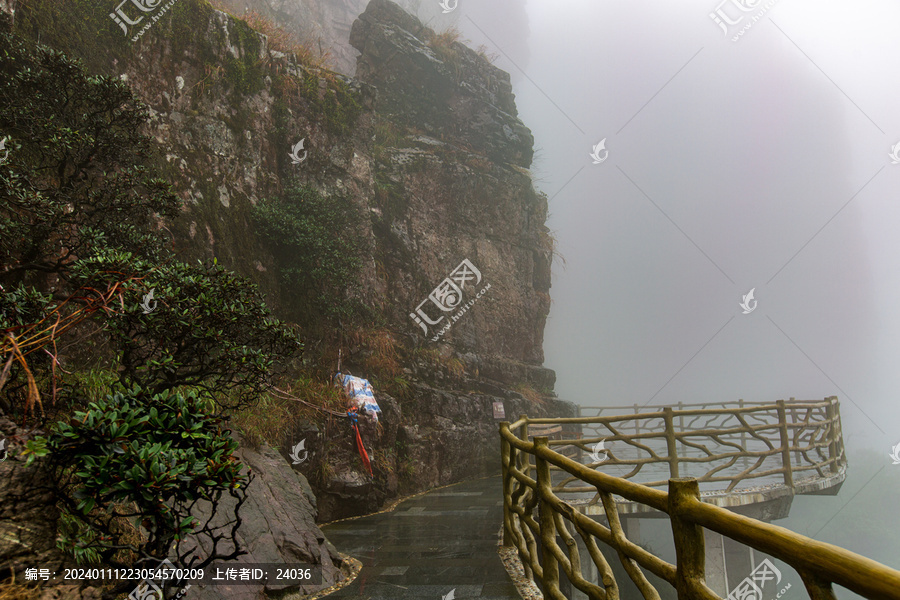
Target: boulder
column 278, row 527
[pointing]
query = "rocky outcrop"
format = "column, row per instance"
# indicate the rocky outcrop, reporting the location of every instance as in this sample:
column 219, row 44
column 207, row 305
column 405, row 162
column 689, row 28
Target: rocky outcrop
column 446, row 183
column 438, row 85
column 325, row 24
column 322, row 24
column 454, row 187
column 463, row 432
column 278, row 527
column 450, row 186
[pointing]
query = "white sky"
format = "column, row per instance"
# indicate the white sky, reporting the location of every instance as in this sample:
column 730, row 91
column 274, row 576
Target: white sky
column 725, row 161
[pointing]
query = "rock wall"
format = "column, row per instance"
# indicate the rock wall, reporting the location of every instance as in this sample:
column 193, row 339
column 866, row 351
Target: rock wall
column 426, row 143
column 452, row 185
column 325, row 24
column 459, row 172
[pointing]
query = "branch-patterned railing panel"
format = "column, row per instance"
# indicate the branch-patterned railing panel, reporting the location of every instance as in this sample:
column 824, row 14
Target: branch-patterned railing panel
column 727, row 447
column 535, row 517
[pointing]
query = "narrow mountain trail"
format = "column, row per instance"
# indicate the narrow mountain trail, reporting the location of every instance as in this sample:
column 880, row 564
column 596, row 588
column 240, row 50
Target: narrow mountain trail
column 428, row 546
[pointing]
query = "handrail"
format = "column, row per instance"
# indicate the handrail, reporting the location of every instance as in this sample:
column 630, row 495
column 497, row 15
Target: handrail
column 734, row 442
column 819, row 564
column 636, row 407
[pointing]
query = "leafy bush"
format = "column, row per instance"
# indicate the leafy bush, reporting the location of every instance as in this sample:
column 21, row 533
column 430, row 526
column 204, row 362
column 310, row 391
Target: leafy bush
column 73, row 185
column 316, row 247
column 74, row 181
column 77, row 539
column 77, row 206
column 210, row 329
column 94, row 383
column 152, row 458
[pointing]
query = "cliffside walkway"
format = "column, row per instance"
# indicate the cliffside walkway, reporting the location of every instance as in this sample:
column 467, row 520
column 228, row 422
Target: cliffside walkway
column 751, row 456
column 428, row 546
column 568, row 502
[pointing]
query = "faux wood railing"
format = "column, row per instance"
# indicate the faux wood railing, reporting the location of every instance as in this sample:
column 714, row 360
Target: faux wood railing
column 535, row 515
column 724, row 446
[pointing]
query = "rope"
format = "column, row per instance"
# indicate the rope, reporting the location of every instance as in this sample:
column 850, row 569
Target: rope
column 352, row 414
column 286, row 396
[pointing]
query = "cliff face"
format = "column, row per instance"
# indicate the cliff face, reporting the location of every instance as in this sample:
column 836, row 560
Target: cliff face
column 447, row 184
column 325, row 24
column 465, row 193
column 427, row 145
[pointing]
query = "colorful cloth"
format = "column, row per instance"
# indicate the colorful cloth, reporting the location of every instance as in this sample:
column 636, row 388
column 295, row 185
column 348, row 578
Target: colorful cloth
column 354, row 422
column 361, row 393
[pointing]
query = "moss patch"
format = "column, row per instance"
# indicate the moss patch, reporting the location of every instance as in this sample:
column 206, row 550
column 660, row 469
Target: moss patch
column 333, row 100
column 81, row 28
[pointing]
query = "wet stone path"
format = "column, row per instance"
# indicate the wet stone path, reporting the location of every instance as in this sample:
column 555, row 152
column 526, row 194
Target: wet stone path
column 429, row 546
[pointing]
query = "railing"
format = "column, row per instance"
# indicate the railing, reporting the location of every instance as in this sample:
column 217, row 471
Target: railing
column 535, row 517
column 726, row 448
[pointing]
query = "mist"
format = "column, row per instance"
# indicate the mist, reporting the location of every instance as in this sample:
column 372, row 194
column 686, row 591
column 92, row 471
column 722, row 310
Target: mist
column 722, row 179
column 761, row 163
column 758, row 164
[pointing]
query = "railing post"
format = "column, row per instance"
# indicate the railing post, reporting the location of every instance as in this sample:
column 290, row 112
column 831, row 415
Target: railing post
column 690, row 548
column 671, row 442
column 785, row 446
column 831, row 414
column 798, row 456
column 548, row 524
column 817, row 589
column 525, row 467
column 506, row 451
column 743, row 436
column 637, row 420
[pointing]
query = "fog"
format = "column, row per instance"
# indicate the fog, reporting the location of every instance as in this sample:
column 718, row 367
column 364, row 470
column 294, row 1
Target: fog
column 757, row 164
column 761, row 163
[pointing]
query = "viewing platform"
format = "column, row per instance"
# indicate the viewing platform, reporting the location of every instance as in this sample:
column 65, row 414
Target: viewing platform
column 749, row 457
column 575, row 491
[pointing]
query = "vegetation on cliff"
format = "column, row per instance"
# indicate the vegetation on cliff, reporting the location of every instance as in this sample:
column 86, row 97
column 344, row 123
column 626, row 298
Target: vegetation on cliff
column 344, row 245
column 187, row 343
column 315, row 245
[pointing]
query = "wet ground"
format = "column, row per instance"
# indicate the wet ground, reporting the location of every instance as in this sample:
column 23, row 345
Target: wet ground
column 428, row 546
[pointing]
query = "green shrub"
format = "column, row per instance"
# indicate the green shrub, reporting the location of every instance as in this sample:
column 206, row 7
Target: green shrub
column 77, row 208
column 76, row 217
column 150, row 458
column 210, row 329
column 75, row 181
column 77, row 539
column 316, row 249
